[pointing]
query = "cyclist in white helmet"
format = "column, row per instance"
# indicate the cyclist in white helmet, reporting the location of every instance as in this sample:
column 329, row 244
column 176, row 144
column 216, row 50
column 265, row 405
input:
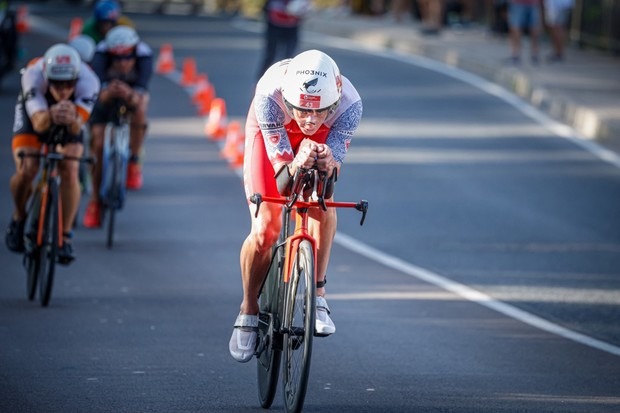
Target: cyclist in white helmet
column 124, row 65
column 58, row 89
column 304, row 112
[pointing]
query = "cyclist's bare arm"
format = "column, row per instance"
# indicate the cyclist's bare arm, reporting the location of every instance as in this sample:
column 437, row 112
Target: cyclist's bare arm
column 41, row 121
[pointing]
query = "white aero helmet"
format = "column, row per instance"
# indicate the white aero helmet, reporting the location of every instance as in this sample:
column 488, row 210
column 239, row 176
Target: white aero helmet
column 85, row 46
column 121, row 40
column 312, row 81
column 61, row 62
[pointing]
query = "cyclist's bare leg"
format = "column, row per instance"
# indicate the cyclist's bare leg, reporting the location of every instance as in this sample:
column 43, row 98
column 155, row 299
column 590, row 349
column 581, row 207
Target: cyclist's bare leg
column 256, row 253
column 96, row 147
column 139, row 122
column 21, row 182
column 70, row 191
column 322, row 227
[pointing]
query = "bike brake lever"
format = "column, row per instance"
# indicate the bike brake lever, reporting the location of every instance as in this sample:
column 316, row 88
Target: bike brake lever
column 256, row 199
column 363, row 207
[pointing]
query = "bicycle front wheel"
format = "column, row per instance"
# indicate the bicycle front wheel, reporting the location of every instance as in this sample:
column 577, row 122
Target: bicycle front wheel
column 49, row 246
column 300, row 316
column 31, row 255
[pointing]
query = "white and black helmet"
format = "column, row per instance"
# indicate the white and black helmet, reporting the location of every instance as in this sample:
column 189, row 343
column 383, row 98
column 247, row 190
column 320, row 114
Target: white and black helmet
column 61, row 62
column 121, row 40
column 312, row 81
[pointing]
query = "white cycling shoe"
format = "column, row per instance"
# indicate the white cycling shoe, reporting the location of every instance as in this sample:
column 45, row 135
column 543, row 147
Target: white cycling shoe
column 242, row 344
column 324, row 325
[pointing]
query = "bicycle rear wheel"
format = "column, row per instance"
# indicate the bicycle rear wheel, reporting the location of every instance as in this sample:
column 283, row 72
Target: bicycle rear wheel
column 49, row 247
column 300, row 316
column 269, row 351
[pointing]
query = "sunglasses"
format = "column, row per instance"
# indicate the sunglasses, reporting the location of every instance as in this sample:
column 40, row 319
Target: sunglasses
column 63, row 84
column 307, row 112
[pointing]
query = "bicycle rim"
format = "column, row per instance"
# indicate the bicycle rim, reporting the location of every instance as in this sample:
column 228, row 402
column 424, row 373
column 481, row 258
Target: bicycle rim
column 49, row 247
column 269, row 339
column 298, row 342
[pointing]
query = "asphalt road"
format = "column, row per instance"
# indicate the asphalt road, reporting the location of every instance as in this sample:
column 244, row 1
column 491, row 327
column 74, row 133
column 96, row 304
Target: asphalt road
column 481, row 223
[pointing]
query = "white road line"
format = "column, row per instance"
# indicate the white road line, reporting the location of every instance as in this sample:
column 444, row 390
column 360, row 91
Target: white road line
column 470, row 294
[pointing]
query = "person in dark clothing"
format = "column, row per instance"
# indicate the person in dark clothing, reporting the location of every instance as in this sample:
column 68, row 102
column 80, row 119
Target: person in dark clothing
column 283, row 19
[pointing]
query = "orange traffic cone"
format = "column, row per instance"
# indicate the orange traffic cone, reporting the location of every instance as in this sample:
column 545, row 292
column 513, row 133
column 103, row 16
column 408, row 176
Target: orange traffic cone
column 216, row 123
column 204, row 95
column 188, row 77
column 202, row 84
column 75, row 28
column 165, row 61
column 230, row 146
column 234, row 148
column 22, row 23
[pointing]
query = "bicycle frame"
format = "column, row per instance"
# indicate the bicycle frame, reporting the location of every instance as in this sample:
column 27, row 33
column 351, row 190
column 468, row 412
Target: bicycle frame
column 300, row 231
column 49, row 169
column 301, row 206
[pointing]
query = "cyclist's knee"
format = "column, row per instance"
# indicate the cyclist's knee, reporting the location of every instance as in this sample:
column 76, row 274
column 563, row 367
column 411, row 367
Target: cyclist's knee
column 263, row 240
column 96, row 137
column 28, row 170
column 265, row 231
column 68, row 171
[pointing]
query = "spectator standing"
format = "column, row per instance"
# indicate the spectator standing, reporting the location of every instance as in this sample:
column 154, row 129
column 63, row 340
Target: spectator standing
column 524, row 15
column 557, row 17
column 283, row 18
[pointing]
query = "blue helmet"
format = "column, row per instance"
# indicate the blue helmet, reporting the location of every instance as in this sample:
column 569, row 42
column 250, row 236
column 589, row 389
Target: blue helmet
column 107, row 10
